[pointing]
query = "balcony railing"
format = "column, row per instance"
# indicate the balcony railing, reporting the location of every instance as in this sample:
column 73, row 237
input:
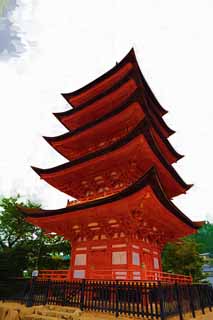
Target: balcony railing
column 118, row 274
column 151, row 275
column 56, row 275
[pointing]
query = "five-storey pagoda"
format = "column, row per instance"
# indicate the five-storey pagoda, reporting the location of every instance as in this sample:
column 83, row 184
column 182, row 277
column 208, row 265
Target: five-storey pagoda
column 120, row 171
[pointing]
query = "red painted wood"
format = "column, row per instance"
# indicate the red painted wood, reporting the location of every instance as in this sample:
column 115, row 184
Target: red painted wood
column 105, row 133
column 101, row 107
column 122, row 236
column 131, row 161
column 100, row 87
column 99, row 258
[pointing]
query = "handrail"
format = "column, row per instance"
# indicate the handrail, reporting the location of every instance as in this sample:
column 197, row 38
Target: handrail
column 54, row 274
column 119, row 274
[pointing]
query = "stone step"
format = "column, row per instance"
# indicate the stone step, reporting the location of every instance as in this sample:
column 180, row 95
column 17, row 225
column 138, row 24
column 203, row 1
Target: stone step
column 60, row 308
column 50, row 312
column 57, row 314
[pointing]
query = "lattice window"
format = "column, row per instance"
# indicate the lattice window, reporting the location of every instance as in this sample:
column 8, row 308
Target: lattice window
column 136, row 258
column 119, row 257
column 156, row 263
column 80, row 259
column 79, row 274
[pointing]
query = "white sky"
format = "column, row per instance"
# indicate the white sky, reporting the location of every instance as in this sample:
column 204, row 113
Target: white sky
column 65, row 44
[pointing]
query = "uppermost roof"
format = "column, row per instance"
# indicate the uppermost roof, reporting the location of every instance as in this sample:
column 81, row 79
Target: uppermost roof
column 96, row 88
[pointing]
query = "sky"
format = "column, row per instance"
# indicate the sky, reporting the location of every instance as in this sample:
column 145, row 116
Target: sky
column 48, row 47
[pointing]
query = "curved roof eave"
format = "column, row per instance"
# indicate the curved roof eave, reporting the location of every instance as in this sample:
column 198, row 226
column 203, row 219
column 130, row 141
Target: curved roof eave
column 117, row 85
column 130, row 57
column 149, row 178
column 135, row 97
column 104, row 76
column 131, row 75
column 142, row 128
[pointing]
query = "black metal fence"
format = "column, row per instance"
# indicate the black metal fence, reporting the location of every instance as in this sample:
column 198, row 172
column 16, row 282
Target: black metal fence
column 141, row 299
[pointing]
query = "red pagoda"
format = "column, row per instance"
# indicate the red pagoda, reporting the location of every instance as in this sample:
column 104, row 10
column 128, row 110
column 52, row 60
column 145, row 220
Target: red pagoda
column 120, row 171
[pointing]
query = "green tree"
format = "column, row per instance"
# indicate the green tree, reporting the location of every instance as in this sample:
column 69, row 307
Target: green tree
column 13, row 228
column 183, row 257
column 24, row 246
column 204, row 237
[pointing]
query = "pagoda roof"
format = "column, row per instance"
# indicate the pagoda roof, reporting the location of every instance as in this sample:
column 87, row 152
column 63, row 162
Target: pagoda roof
column 103, row 83
column 144, row 195
column 138, row 149
column 119, row 94
column 110, row 128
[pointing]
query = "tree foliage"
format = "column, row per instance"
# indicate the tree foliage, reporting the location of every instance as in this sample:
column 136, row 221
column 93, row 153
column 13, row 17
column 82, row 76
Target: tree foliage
column 204, row 238
column 24, row 246
column 14, row 230
column 183, row 257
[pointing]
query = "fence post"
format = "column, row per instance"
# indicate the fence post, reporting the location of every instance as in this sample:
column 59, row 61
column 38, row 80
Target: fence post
column 47, row 292
column 29, row 302
column 209, row 295
column 178, row 301
column 64, row 293
column 161, row 296
column 201, row 299
column 82, row 294
column 191, row 300
column 116, row 299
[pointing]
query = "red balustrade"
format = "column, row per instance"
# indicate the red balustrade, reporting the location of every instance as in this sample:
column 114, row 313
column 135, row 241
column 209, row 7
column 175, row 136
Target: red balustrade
column 56, row 275
column 152, row 275
column 118, row 274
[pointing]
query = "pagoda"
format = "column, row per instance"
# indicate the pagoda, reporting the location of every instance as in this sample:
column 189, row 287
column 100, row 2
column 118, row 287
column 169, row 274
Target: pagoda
column 120, row 172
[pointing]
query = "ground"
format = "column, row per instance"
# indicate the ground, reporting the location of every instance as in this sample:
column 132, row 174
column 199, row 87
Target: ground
column 15, row 311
